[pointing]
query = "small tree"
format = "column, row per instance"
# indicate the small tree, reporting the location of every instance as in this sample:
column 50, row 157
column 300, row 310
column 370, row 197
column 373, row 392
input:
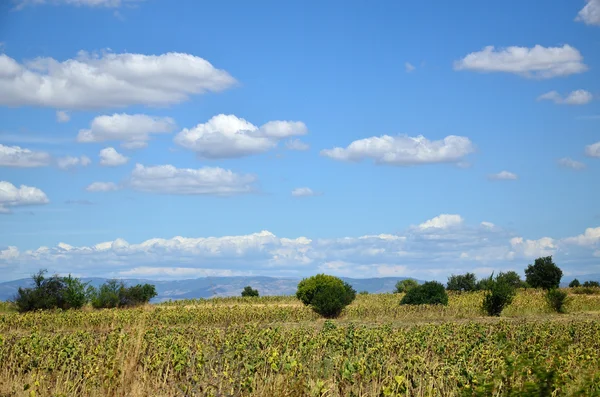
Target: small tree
column 405, row 285
column 429, row 293
column 462, row 282
column 574, row 284
column 511, row 277
column 543, row 274
column 326, row 295
column 114, row 293
column 591, row 284
column 499, row 294
column 250, row 292
column 556, row 299
column 51, row 293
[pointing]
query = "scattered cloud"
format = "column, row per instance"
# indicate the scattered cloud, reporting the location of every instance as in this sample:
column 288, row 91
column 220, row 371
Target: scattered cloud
column 79, row 202
column 227, row 136
column 590, row 238
column 167, row 179
column 109, row 157
column 68, row 162
column 537, row 62
column 62, row 116
column 443, row 221
column 304, row 192
column 544, row 246
column 179, row 272
column 12, row 196
column 133, row 130
column 503, row 175
column 16, row 156
column 296, row 144
column 593, row 150
column 409, row 67
column 108, row 80
column 590, row 14
column 578, row 97
column 570, row 163
column 404, row 150
column 488, row 225
column 102, row 187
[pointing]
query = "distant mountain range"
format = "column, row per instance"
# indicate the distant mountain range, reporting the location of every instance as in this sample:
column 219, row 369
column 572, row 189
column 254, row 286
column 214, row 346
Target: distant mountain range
column 208, row 287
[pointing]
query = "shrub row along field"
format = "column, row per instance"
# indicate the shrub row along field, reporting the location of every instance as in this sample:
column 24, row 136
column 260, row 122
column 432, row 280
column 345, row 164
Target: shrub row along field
column 278, row 347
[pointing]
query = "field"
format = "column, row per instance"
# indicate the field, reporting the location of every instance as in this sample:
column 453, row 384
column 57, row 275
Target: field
column 273, row 346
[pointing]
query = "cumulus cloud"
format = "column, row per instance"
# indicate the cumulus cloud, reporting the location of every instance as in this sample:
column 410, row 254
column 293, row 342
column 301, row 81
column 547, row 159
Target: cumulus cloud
column 570, row 163
column 590, row 14
column 409, row 67
column 536, row 62
column 16, row 156
column 296, row 144
column 544, row 246
column 227, row 136
column 13, row 196
column 109, row 157
column 404, row 150
column 68, row 162
column 133, row 130
column 102, row 187
column 108, row 80
column 443, row 221
column 62, row 116
column 304, row 192
column 593, row 150
column 578, row 97
column 503, row 176
column 589, row 238
column 167, row 179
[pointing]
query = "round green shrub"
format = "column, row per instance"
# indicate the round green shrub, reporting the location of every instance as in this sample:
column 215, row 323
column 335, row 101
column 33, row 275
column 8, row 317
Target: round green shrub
column 429, row 293
column 326, row 295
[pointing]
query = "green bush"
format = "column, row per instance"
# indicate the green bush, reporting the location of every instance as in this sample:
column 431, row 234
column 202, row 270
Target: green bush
column 114, row 293
column 429, row 293
column 543, row 274
column 591, row 284
column 326, row 295
column 403, row 286
column 556, row 299
column 250, row 292
column 51, row 293
column 462, row 282
column 574, row 284
column 500, row 293
column 586, row 291
column 511, row 277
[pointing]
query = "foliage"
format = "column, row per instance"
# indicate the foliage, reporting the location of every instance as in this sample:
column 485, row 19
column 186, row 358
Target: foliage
column 326, row 295
column 462, row 282
column 429, row 293
column 556, row 299
column 500, row 294
column 543, row 274
column 591, row 284
column 511, row 277
column 586, row 291
column 406, row 285
column 53, row 292
column 363, row 293
column 114, row 293
column 574, row 284
column 250, row 292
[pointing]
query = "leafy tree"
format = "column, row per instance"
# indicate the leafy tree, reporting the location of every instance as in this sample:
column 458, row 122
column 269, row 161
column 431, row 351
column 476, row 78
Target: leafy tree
column 511, row 277
column 556, row 299
column 326, row 295
column 429, row 293
column 114, row 293
column 405, row 285
column 500, row 293
column 363, row 293
column 591, row 284
column 250, row 292
column 462, row 282
column 484, row 284
column 543, row 274
column 574, row 284
column 53, row 292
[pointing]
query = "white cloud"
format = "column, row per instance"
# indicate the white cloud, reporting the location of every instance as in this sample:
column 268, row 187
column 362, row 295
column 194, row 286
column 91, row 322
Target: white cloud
column 109, row 157
column 488, row 225
column 64, row 163
column 408, row 67
column 12, row 196
column 16, row 156
column 590, row 14
column 179, row 272
column 503, row 175
column 102, row 187
column 296, row 144
column 577, row 97
column 227, row 136
column 20, row 4
column 443, row 221
column 537, row 62
column 570, row 163
column 62, row 116
column 133, row 130
column 108, row 80
column 404, row 150
column 544, row 246
column 304, row 192
column 590, row 238
column 168, row 179
column 593, row 150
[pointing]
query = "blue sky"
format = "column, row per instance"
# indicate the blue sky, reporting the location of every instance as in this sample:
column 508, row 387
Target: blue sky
column 289, row 138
